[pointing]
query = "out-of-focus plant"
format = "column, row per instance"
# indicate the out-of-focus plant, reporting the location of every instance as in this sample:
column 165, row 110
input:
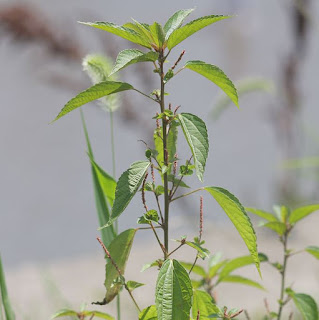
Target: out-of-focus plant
column 5, row 305
column 283, row 223
column 244, row 87
column 162, row 173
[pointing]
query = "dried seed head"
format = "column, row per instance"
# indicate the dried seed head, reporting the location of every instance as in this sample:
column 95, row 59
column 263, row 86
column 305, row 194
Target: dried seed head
column 143, row 192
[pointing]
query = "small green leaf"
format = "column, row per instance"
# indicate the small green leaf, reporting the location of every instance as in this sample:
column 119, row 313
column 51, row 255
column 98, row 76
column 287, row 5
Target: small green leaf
column 202, row 252
column 169, row 75
column 196, row 269
column 313, row 251
column 131, row 56
column 180, row 34
column 203, row 302
column 121, row 31
column 156, row 263
column 278, row 227
column 4, row 297
column 242, row 280
column 134, row 285
column 148, row 217
column 196, row 135
column 177, row 182
column 237, row 214
column 262, row 214
column 95, row 92
column 64, row 313
column 157, row 34
column 215, row 75
column 213, row 270
column 305, row 304
column 127, row 186
column 239, row 262
column 302, row 212
column 119, row 250
column 175, row 21
column 148, row 313
column 173, row 292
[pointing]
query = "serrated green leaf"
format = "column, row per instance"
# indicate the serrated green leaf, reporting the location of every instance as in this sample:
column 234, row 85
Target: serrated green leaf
column 64, row 313
column 175, row 21
column 262, row 214
column 119, row 250
column 302, row 212
column 127, row 186
column 103, row 213
column 196, row 269
column 180, row 34
column 107, row 183
column 134, row 285
column 148, row 313
column 202, row 252
column 98, row 314
column 203, row 302
column 93, row 93
column 242, row 280
column 157, row 34
column 4, row 297
column 121, row 31
column 239, row 262
column 238, row 216
column 305, row 304
column 277, row 226
column 131, row 56
column 196, row 135
column 215, row 75
column 173, row 292
column 313, row 251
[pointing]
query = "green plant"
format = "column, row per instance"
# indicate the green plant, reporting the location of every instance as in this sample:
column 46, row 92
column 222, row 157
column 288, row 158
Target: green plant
column 175, row 295
column 283, row 223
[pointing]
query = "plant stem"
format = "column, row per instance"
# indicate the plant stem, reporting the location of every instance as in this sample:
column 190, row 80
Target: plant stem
column 187, row 194
column 158, row 240
column 116, row 225
column 164, row 127
column 283, row 274
column 176, row 249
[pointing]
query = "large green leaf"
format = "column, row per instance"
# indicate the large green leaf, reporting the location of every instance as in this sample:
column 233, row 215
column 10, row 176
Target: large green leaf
column 119, row 250
column 175, row 21
column 148, row 313
column 173, row 292
column 302, row 212
column 93, row 93
column 305, row 304
column 121, row 31
column 203, row 303
column 64, row 313
column 277, row 226
column 128, row 184
column 238, row 216
column 107, row 183
column 242, row 280
column 196, row 135
column 262, row 214
column 239, row 262
column 4, row 297
column 171, row 144
column 180, row 34
column 103, row 213
column 313, row 251
column 215, row 75
column 131, row 56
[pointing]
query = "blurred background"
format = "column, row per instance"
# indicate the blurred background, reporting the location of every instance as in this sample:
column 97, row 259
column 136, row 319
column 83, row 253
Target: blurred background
column 265, row 153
